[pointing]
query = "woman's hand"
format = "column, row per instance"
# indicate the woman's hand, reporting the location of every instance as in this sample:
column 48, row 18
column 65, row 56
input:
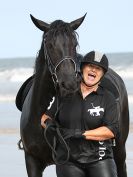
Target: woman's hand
column 43, row 119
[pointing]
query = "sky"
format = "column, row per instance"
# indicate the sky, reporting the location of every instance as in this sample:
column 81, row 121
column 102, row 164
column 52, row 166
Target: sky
column 108, row 26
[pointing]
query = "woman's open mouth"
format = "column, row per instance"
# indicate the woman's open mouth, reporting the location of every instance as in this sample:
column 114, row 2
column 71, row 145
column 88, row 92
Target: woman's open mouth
column 91, row 76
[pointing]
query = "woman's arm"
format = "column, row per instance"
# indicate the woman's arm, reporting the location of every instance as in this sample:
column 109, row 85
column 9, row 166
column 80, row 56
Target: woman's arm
column 99, row 134
column 49, row 114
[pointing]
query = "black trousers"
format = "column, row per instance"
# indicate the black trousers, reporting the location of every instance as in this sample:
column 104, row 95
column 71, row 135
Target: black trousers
column 104, row 168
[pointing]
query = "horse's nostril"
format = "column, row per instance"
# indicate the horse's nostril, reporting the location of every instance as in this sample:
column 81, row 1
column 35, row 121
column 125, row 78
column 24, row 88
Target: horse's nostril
column 71, row 86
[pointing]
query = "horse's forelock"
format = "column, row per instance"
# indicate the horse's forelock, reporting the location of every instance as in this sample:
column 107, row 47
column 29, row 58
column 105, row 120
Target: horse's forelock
column 59, row 27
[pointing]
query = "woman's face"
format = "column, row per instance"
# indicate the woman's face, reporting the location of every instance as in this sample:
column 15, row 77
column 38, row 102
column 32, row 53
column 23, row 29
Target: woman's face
column 92, row 74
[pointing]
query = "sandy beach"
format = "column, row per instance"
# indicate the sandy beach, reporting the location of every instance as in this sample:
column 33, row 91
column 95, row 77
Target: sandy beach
column 12, row 162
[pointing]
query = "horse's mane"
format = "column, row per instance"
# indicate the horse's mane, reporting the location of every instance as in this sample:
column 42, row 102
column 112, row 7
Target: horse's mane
column 40, row 85
column 40, row 60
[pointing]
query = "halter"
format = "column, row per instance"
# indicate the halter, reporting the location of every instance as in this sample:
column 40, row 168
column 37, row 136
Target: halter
column 53, row 68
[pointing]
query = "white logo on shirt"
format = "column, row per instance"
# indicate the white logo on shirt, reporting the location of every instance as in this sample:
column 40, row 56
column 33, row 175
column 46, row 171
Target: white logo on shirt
column 95, row 111
column 102, row 150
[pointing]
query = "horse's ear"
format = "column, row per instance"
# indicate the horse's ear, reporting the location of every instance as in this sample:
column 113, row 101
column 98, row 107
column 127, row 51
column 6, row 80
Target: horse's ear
column 40, row 24
column 76, row 23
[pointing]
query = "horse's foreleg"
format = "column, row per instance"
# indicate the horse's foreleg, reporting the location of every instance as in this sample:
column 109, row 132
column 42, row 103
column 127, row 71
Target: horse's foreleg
column 34, row 166
column 120, row 160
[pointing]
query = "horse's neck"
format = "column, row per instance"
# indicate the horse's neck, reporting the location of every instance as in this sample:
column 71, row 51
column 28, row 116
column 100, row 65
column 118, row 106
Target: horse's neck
column 43, row 91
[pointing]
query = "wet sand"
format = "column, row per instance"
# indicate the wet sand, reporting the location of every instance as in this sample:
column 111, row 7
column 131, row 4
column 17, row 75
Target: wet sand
column 12, row 162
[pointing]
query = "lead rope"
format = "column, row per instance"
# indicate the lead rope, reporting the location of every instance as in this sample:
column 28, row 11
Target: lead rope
column 53, row 147
column 59, row 137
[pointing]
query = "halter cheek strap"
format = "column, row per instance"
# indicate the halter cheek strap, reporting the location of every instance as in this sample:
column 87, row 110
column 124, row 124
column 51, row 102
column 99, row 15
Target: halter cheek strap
column 53, row 68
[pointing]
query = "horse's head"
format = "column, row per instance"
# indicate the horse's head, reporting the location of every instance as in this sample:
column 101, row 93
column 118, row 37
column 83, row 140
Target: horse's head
column 60, row 42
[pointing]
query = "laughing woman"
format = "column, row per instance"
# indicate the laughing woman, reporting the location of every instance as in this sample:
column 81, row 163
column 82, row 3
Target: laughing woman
column 92, row 111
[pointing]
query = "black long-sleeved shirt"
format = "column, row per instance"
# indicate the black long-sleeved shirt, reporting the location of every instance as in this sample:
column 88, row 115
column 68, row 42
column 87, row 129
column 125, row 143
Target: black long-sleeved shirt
column 95, row 110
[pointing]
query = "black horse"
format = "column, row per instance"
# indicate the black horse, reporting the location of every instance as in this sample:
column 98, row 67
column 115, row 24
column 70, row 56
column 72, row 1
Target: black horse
column 37, row 153
column 55, row 70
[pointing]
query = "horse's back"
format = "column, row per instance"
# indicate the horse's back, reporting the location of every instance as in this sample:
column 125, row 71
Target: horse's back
column 114, row 83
